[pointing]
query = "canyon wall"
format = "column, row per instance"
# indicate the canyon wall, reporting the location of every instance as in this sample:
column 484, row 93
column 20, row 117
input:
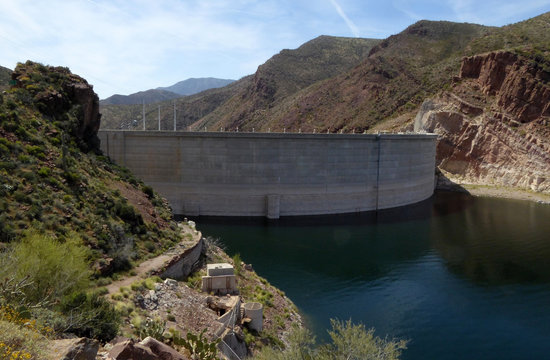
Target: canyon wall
column 493, row 123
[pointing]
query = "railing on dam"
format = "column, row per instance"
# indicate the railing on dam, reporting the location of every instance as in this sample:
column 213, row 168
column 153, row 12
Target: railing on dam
column 275, row 174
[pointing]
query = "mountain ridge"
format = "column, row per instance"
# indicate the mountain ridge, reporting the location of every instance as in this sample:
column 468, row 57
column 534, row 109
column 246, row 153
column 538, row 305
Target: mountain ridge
column 196, row 85
column 183, row 88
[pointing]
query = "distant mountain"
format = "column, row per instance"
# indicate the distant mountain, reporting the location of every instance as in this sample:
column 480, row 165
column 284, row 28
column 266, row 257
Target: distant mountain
column 282, row 75
column 337, row 92
column 5, row 77
column 147, row 97
column 196, row 85
column 182, row 88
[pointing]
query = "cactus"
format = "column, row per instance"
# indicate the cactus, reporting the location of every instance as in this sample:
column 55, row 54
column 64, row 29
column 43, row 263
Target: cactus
column 199, row 347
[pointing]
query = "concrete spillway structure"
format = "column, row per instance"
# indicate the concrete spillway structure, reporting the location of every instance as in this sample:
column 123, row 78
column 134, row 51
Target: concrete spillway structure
column 273, row 174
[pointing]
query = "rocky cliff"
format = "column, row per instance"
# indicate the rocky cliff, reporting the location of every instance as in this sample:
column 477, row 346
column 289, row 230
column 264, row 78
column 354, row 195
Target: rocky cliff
column 62, row 96
column 494, row 122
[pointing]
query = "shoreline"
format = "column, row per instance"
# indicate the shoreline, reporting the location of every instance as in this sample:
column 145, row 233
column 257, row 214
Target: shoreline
column 502, row 192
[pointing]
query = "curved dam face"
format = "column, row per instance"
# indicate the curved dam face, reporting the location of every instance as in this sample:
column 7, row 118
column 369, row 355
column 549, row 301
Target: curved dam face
column 273, row 174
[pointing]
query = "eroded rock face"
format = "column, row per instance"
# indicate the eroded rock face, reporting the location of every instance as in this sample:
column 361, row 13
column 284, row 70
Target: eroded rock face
column 493, row 124
column 484, row 150
column 520, row 87
column 64, row 97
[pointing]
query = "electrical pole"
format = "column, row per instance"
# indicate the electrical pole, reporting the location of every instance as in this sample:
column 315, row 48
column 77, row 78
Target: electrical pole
column 143, row 111
column 174, row 116
column 159, row 118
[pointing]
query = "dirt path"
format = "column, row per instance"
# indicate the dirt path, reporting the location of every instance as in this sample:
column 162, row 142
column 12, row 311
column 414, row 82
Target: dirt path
column 143, row 269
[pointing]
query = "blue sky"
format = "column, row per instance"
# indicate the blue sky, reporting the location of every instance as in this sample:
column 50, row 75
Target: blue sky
column 124, row 46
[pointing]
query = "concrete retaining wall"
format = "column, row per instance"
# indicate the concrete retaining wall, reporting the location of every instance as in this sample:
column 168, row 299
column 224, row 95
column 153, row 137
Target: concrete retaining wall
column 258, row 174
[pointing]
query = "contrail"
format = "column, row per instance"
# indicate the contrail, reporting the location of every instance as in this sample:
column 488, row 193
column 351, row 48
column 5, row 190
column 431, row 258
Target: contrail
column 353, row 28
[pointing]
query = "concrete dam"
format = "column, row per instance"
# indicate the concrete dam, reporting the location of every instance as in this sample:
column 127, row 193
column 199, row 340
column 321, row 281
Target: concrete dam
column 274, row 174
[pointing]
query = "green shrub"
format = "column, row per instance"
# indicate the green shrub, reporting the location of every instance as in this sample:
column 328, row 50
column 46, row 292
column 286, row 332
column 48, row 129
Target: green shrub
column 198, row 346
column 36, row 151
column 25, row 159
column 4, row 150
column 8, row 165
column 44, row 171
column 148, row 190
column 127, row 213
column 348, row 341
column 17, row 342
column 237, row 263
column 55, row 268
column 89, row 315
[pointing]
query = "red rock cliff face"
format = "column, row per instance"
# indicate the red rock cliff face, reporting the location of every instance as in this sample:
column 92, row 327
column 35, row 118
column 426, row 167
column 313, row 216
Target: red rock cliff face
column 494, row 124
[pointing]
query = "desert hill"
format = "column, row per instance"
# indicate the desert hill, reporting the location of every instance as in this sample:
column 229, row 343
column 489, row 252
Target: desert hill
column 68, row 216
column 182, row 88
column 147, row 97
column 5, row 77
column 395, row 77
column 196, row 85
column 356, row 85
column 284, row 74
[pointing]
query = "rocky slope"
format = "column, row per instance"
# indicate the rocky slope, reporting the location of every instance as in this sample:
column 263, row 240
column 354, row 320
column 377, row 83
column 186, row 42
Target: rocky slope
column 247, row 100
column 394, row 76
column 196, row 85
column 72, row 221
column 494, row 122
column 141, row 97
column 189, row 109
column 5, row 76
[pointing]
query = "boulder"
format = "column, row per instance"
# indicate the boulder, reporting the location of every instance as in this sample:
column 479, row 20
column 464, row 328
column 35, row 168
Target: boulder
column 129, row 350
column 161, row 350
column 73, row 349
column 148, row 349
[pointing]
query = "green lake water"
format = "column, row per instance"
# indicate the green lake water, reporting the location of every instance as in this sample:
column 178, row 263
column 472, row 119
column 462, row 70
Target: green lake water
column 460, row 277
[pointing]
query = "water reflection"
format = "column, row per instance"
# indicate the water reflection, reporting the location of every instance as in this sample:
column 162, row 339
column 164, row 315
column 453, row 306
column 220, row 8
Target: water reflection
column 494, row 241
column 462, row 277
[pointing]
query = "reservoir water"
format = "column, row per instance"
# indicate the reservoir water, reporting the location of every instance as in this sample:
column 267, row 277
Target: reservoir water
column 460, row 277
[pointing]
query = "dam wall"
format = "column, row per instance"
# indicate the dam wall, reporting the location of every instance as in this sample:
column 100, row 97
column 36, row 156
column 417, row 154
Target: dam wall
column 274, row 174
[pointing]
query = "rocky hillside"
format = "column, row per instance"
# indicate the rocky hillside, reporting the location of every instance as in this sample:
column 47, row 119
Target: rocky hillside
column 54, row 178
column 72, row 221
column 494, row 123
column 189, row 109
column 196, row 85
column 141, row 97
column 281, row 76
column 264, row 102
column 5, row 77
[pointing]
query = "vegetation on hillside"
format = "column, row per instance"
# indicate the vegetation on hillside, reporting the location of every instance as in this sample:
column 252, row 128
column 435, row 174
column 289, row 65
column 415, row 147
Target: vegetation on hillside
column 282, row 75
column 68, row 215
column 336, row 84
column 5, row 77
column 396, row 77
column 348, row 341
column 142, row 97
column 189, row 109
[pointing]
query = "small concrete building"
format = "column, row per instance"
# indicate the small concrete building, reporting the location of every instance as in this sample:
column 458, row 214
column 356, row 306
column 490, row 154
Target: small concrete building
column 219, row 279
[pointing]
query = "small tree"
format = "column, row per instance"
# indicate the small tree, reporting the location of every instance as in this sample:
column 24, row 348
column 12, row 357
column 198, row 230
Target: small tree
column 54, row 268
column 349, row 342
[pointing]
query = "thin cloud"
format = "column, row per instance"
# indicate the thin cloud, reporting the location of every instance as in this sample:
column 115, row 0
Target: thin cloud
column 352, row 27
